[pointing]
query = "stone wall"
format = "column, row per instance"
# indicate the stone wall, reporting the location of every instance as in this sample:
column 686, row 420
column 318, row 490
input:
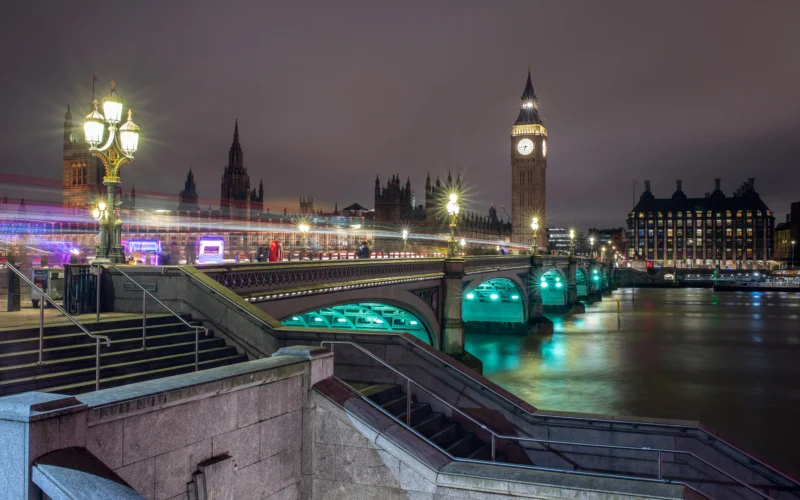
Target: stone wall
column 154, row 435
column 359, row 455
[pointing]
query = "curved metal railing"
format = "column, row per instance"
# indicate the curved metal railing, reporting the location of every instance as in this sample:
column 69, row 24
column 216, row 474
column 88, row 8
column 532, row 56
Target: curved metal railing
column 145, row 294
column 46, row 298
column 495, row 436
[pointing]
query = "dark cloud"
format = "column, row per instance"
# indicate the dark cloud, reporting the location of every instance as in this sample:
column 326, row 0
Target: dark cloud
column 329, row 94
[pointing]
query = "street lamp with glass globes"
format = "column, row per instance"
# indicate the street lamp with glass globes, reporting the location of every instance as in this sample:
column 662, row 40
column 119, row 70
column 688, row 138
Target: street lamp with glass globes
column 117, row 150
column 405, row 237
column 452, row 210
column 792, row 254
column 591, row 247
column 535, row 227
column 572, row 241
column 303, row 227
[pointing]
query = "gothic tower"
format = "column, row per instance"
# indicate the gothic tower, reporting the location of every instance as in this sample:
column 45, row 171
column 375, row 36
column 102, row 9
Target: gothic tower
column 188, row 199
column 235, row 193
column 528, row 169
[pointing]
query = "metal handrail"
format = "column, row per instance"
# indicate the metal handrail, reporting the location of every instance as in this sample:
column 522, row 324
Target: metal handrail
column 502, row 397
column 46, row 298
column 495, row 435
column 145, row 293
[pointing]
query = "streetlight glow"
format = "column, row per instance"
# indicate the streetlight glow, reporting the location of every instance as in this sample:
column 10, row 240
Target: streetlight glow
column 93, row 127
column 452, row 209
column 129, row 135
column 112, row 107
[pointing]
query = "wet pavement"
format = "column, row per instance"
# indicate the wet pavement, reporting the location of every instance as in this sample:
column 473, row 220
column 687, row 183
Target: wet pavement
column 730, row 360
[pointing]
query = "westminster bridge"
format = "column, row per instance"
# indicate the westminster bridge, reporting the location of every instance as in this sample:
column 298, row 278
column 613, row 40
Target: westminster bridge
column 434, row 299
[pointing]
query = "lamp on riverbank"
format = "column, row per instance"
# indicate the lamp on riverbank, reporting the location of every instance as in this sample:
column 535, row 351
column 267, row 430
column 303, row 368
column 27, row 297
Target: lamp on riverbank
column 535, row 227
column 118, row 149
column 571, row 241
column 452, row 210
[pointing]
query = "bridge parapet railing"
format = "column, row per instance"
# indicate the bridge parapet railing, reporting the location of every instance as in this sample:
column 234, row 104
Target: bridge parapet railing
column 272, row 276
column 492, row 262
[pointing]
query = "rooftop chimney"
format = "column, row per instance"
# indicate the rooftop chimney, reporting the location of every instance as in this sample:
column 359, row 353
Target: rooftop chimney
column 716, row 184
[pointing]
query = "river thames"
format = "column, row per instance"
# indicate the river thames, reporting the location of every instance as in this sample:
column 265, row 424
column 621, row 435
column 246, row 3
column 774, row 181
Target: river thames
column 730, row 360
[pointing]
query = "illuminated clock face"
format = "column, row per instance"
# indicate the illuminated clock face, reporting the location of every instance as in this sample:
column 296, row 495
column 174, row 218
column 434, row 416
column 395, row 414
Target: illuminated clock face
column 525, row 147
column 544, row 147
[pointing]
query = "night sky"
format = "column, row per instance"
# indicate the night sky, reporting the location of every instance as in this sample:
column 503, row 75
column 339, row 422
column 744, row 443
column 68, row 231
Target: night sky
column 329, row 94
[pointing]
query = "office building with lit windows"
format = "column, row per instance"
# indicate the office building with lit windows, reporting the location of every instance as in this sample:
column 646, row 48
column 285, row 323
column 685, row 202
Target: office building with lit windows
column 714, row 231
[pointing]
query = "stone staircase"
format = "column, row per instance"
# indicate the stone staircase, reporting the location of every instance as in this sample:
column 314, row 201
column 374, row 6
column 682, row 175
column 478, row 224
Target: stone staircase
column 69, row 355
column 437, row 427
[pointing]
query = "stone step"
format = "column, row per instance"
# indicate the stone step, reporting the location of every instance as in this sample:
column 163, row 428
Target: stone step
column 397, row 406
column 105, row 383
column 464, row 446
column 447, row 435
column 419, row 412
column 48, row 380
column 92, row 326
column 135, row 352
column 430, row 424
column 73, row 350
column 382, row 393
column 62, row 339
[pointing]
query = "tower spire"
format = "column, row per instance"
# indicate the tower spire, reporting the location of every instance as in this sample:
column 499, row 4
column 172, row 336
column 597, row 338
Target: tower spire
column 236, row 128
column 529, row 112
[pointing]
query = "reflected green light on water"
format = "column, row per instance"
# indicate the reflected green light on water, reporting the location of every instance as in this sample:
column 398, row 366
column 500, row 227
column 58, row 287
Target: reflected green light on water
column 728, row 360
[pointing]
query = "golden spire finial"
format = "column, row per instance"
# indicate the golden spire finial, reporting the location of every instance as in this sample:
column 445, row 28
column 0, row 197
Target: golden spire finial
column 95, row 104
column 113, row 85
column 130, row 113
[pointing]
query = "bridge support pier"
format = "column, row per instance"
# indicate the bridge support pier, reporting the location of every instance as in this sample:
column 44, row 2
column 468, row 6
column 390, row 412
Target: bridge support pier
column 452, row 320
column 537, row 321
column 572, row 292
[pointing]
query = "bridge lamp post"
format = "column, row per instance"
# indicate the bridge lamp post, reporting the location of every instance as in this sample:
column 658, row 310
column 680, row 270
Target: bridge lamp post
column 792, row 254
column 535, row 227
column 591, row 247
column 117, row 150
column 303, row 228
column 572, row 241
column 452, row 210
column 405, row 237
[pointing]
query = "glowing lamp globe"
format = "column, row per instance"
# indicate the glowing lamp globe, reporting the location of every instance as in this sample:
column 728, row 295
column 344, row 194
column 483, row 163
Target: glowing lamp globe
column 129, row 136
column 101, row 206
column 93, row 127
column 405, row 233
column 112, row 106
column 535, row 224
column 96, row 214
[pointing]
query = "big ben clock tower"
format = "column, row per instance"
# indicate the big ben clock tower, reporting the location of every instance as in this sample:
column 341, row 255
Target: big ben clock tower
column 528, row 170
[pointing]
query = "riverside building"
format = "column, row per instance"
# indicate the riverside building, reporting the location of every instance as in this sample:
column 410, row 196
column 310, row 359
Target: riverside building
column 714, row 231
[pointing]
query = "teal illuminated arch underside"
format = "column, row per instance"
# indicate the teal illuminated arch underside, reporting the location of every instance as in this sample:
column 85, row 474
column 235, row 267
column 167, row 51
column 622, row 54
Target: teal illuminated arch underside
column 553, row 288
column 496, row 300
column 363, row 316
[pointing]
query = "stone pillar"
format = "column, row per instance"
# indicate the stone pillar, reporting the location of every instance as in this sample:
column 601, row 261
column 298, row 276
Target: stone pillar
column 452, row 324
column 537, row 321
column 572, row 286
column 14, row 290
column 321, row 360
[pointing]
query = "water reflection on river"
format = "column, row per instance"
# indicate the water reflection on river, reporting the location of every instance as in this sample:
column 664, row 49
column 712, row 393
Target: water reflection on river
column 730, row 360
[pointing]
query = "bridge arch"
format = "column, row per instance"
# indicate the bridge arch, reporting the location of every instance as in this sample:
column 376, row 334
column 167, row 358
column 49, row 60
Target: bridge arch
column 494, row 300
column 380, row 316
column 553, row 286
